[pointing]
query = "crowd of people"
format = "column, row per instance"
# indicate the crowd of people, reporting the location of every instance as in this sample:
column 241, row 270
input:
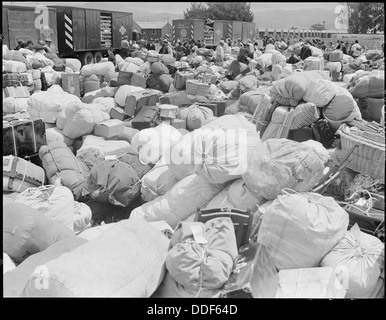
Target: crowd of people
column 45, row 45
column 246, row 49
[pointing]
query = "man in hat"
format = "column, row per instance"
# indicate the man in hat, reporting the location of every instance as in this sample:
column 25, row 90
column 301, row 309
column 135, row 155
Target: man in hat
column 165, row 49
column 50, row 47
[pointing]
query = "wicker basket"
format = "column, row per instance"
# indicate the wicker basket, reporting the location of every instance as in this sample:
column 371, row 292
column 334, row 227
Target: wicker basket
column 197, row 88
column 369, row 157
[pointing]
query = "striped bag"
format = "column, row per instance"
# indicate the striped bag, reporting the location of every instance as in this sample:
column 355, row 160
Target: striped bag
column 20, row 174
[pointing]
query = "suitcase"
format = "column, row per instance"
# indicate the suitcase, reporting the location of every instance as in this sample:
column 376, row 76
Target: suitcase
column 153, row 57
column 174, row 98
column 130, row 78
column 20, row 174
column 280, row 124
column 15, row 79
column 254, row 274
column 17, row 92
column 218, row 107
column 300, row 135
column 71, row 83
column 118, row 113
column 181, row 77
column 136, row 100
column 146, row 117
column 23, row 138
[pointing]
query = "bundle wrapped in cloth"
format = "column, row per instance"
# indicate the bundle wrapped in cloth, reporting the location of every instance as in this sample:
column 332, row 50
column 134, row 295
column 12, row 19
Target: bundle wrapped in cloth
column 282, row 163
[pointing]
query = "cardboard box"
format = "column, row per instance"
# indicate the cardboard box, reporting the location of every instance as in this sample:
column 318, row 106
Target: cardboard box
column 71, row 83
column 178, row 123
column 16, row 92
column 310, row 283
column 23, row 137
column 109, row 128
column 118, row 113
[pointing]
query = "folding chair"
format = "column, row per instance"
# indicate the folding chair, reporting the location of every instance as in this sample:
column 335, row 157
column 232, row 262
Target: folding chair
column 242, row 221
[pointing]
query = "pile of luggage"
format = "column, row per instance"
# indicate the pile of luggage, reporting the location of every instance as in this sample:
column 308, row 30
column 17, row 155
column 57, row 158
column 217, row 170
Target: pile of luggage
column 172, row 141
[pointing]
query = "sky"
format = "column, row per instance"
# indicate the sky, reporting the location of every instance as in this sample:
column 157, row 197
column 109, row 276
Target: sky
column 178, row 7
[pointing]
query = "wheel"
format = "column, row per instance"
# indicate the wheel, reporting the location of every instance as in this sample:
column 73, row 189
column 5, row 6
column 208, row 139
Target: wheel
column 87, row 58
column 97, row 57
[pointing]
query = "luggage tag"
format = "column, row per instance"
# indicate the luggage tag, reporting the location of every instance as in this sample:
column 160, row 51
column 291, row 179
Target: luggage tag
column 198, row 233
column 111, row 157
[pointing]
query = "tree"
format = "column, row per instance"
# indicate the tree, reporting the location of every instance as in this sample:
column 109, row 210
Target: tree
column 240, row 11
column 198, row 10
column 365, row 16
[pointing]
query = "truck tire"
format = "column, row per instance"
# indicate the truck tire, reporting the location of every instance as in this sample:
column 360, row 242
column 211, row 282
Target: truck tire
column 97, row 57
column 87, row 58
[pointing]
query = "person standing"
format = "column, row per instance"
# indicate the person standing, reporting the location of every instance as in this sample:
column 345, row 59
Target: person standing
column 150, row 45
column 356, row 49
column 220, row 52
column 227, row 49
column 124, row 53
column 179, row 51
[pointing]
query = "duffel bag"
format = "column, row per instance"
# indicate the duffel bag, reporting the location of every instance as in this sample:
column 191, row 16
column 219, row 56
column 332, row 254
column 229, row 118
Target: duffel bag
column 119, row 263
column 56, row 203
column 181, row 201
column 363, row 257
column 111, row 181
column 15, row 281
column 27, row 231
column 282, row 163
column 157, row 182
column 198, row 259
column 298, row 230
column 58, row 160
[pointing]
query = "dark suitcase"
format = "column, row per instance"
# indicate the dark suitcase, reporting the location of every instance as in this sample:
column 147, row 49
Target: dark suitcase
column 174, row 98
column 254, row 274
column 218, row 107
column 23, row 138
column 300, row 135
column 14, row 79
column 118, row 113
column 136, row 100
column 130, row 78
column 146, row 117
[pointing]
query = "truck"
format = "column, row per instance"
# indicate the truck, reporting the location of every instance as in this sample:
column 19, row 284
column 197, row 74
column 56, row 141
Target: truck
column 212, row 31
column 80, row 33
